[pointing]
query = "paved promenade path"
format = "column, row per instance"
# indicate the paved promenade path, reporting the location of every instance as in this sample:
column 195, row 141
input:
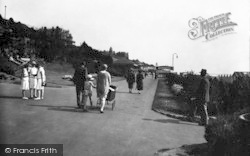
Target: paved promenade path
column 131, row 129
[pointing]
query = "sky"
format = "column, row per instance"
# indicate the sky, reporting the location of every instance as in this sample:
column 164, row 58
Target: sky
column 149, row 30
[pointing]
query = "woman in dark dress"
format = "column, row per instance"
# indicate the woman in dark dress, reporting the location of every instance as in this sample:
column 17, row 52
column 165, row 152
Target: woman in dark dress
column 139, row 81
column 130, row 80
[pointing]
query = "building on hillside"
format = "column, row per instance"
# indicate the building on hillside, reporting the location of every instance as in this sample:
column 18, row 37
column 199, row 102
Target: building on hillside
column 122, row 54
column 111, row 52
column 240, row 74
column 230, row 78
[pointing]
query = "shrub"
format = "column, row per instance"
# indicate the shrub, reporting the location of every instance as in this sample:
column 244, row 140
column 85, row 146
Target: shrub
column 173, row 79
column 6, row 66
column 176, row 89
column 227, row 135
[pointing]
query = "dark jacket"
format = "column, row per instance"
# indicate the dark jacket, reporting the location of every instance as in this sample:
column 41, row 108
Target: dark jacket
column 139, row 81
column 203, row 90
column 131, row 77
column 80, row 76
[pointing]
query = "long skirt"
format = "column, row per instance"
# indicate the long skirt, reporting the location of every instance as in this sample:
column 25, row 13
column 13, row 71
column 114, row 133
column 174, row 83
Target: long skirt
column 139, row 85
column 25, row 83
column 33, row 83
column 130, row 85
column 39, row 85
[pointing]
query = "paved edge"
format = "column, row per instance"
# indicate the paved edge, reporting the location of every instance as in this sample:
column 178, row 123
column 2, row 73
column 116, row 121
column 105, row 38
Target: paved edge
column 185, row 150
column 173, row 115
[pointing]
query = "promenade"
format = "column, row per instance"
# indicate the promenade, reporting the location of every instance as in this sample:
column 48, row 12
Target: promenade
column 131, row 129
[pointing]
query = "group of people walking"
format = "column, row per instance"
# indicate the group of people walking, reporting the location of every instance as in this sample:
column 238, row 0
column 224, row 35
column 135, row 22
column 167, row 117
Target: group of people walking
column 33, row 79
column 84, row 86
column 133, row 78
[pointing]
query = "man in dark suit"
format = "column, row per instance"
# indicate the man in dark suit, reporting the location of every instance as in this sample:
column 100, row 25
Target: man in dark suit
column 79, row 79
column 203, row 96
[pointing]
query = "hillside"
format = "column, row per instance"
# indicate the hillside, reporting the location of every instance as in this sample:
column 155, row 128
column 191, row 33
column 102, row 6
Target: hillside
column 55, row 44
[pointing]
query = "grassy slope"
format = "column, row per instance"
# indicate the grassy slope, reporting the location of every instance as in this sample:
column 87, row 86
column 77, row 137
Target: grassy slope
column 54, row 73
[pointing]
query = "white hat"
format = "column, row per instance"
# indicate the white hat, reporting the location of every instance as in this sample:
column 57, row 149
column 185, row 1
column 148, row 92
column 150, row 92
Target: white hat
column 33, row 62
column 90, row 77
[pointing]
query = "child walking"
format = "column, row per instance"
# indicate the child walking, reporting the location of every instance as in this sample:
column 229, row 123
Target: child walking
column 88, row 88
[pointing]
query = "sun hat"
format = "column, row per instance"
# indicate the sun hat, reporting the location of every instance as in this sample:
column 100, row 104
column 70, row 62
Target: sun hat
column 104, row 67
column 90, row 77
column 33, row 62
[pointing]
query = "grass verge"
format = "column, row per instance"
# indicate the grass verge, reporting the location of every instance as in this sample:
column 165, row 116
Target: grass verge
column 166, row 102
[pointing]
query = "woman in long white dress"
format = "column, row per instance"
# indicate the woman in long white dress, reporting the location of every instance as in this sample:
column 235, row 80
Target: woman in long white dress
column 33, row 79
column 41, row 78
column 25, row 81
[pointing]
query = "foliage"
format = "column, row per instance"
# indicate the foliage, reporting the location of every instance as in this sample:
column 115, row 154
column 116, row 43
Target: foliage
column 228, row 135
column 225, row 97
column 6, row 66
column 174, row 79
column 50, row 44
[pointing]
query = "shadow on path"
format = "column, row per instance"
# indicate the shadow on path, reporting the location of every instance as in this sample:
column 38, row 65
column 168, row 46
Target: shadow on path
column 173, row 121
column 69, row 108
column 123, row 92
column 10, row 97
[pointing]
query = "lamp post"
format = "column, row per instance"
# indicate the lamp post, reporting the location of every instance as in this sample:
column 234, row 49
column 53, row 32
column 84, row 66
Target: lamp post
column 174, row 54
column 5, row 12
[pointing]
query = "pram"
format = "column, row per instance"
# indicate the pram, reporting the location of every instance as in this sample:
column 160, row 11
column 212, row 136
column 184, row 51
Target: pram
column 109, row 100
column 111, row 96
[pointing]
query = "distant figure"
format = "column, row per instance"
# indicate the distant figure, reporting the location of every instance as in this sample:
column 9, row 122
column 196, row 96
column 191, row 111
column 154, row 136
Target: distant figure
column 139, row 81
column 130, row 80
column 203, row 97
column 152, row 73
column 25, row 81
column 156, row 75
column 33, row 79
column 41, row 79
column 79, row 79
column 102, row 85
column 88, row 88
